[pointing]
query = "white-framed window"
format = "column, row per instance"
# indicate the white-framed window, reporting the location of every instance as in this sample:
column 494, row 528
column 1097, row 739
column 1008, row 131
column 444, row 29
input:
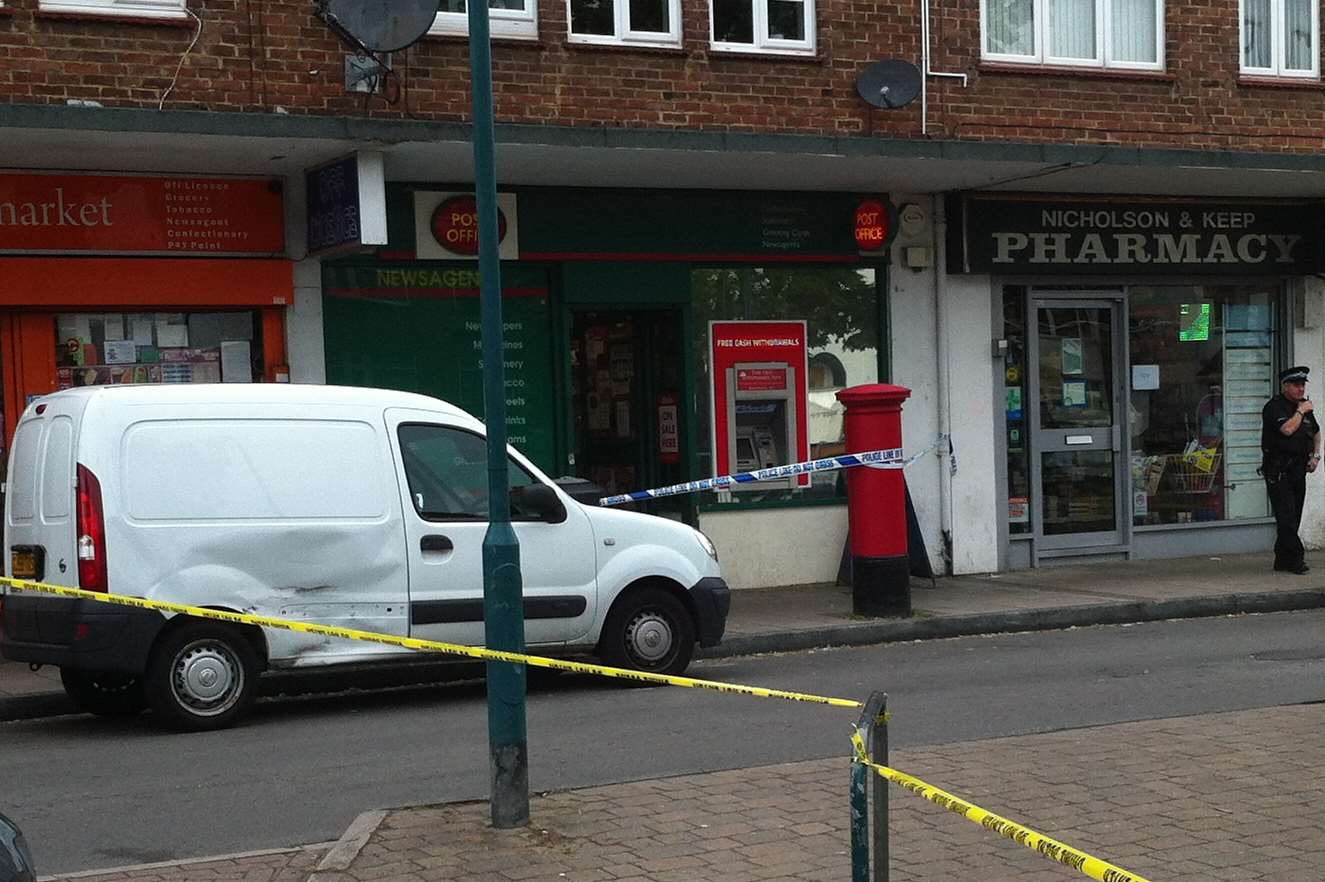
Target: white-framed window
column 512, row 19
column 784, row 27
column 138, row 8
column 625, row 22
column 1123, row 34
column 1280, row 38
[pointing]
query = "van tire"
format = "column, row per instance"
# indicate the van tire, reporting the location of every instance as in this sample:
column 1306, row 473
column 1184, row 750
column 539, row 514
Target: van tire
column 104, row 694
column 648, row 629
column 201, row 676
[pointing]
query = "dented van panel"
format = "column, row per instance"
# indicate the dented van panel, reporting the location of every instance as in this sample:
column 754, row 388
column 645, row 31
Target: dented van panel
column 356, row 508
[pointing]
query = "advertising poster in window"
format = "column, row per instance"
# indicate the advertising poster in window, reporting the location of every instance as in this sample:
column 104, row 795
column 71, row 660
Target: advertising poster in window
column 759, row 396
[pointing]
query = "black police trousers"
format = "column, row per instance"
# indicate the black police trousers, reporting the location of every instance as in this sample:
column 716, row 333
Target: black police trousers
column 1286, row 497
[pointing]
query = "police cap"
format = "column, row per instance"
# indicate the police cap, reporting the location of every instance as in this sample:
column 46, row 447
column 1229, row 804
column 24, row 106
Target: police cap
column 1294, row 374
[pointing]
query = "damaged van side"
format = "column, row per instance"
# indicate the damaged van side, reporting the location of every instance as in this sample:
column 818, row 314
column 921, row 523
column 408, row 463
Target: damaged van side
column 360, row 508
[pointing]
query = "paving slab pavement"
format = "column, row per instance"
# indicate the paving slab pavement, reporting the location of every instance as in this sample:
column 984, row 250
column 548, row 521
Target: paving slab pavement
column 1231, row 796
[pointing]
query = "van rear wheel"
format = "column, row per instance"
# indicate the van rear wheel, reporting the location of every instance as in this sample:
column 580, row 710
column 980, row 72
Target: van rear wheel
column 648, row 629
column 201, row 676
column 104, row 694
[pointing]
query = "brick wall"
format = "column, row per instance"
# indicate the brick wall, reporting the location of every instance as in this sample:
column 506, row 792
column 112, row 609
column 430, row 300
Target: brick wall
column 255, row 56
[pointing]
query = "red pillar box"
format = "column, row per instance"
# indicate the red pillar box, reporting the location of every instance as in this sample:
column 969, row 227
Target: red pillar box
column 876, row 503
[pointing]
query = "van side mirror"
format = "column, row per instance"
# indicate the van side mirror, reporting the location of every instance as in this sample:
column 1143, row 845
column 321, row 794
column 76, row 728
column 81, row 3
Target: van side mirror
column 537, row 501
column 15, row 859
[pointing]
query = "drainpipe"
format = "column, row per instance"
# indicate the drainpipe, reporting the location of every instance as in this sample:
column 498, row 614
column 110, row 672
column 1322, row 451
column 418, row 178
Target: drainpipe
column 947, row 461
column 924, row 64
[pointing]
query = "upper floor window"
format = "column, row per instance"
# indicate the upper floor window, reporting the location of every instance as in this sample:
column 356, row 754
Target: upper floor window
column 1280, row 37
column 139, row 8
column 780, row 26
column 506, row 18
column 650, row 22
column 1126, row 34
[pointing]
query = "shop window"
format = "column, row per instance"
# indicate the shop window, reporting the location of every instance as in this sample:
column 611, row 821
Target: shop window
column 417, row 327
column 1279, row 37
column 1014, row 384
column 840, row 307
column 98, row 349
column 1202, row 367
column 512, row 19
column 1088, row 33
column 647, row 22
column 774, row 26
column 136, row 8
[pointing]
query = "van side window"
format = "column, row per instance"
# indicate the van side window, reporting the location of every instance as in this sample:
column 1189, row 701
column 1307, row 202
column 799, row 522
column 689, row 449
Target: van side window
column 447, row 470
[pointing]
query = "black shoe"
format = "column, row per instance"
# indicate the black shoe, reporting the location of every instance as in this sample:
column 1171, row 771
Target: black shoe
column 1299, row 569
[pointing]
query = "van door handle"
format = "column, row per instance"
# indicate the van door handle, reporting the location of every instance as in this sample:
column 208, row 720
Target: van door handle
column 434, row 542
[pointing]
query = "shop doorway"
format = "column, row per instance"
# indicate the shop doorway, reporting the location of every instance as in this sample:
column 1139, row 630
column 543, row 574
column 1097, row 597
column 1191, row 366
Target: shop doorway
column 1077, row 419
column 627, row 386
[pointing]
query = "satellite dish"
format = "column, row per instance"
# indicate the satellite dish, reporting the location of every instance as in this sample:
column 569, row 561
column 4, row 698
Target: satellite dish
column 379, row 25
column 890, row 83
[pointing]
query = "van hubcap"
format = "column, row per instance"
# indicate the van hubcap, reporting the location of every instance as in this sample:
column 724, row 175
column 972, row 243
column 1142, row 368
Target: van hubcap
column 207, row 678
column 649, row 637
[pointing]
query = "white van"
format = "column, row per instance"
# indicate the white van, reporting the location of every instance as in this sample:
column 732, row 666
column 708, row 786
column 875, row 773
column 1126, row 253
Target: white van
column 362, row 508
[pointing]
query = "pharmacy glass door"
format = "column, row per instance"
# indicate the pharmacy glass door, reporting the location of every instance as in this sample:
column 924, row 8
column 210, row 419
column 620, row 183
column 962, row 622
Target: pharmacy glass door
column 1077, row 407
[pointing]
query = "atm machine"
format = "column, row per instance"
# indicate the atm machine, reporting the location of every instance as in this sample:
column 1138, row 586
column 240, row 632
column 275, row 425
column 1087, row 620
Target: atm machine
column 761, row 414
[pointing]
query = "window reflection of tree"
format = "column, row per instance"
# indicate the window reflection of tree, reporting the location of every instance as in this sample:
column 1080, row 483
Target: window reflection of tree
column 840, row 307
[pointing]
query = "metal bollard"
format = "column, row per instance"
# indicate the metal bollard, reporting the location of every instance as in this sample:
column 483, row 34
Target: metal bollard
column 869, row 829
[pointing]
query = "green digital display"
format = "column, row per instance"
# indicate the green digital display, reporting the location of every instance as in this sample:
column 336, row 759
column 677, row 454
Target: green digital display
column 1194, row 319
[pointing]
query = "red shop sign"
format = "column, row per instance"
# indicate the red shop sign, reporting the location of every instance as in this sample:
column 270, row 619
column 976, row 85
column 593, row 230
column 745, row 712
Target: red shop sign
column 455, row 225
column 122, row 214
column 873, row 224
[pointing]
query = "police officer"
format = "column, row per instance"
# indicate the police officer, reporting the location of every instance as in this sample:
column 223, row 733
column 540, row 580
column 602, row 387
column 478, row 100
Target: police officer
column 1290, row 447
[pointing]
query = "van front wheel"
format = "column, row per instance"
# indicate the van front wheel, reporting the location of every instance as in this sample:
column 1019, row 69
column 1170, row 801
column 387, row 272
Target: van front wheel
column 201, row 676
column 103, row 694
column 650, row 630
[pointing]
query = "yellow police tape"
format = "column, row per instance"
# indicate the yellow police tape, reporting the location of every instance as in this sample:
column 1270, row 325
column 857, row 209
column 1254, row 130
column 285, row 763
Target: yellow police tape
column 424, row 645
column 1051, row 848
column 1038, row 842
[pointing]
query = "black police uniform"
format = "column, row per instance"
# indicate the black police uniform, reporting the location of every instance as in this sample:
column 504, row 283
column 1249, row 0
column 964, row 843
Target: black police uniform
column 1284, row 465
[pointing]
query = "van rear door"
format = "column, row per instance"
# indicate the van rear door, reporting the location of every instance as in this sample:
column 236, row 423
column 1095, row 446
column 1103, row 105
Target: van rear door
column 39, row 504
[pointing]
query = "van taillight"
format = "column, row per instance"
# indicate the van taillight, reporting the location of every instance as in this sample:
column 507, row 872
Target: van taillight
column 91, row 533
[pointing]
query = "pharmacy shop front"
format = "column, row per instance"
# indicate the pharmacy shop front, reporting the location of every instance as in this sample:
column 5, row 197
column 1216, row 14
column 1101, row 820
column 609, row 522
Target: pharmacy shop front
column 1136, row 341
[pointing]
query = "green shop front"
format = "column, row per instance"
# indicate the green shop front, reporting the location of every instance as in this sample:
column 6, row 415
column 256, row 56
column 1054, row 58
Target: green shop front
column 1137, row 341
column 608, row 296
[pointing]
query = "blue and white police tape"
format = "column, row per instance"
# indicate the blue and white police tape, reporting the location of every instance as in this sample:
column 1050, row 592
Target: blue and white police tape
column 879, row 459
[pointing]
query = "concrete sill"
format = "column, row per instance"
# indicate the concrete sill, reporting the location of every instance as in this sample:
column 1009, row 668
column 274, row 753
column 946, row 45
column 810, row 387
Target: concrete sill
column 182, row 22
